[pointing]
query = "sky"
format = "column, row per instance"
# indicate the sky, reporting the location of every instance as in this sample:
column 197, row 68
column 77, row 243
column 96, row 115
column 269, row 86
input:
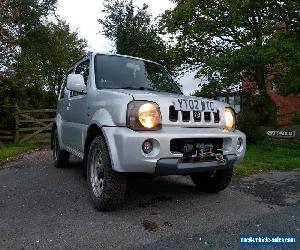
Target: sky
column 83, row 16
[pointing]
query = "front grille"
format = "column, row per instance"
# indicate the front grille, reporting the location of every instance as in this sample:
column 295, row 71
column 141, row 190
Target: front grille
column 216, row 116
column 196, row 116
column 173, row 114
column 185, row 116
column 207, row 116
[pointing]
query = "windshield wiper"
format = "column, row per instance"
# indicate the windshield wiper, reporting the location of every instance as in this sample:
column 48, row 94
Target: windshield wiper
column 150, row 89
column 173, row 92
column 137, row 88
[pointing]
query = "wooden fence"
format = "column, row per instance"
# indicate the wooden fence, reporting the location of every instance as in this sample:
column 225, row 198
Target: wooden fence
column 30, row 125
column 34, row 124
column 6, row 135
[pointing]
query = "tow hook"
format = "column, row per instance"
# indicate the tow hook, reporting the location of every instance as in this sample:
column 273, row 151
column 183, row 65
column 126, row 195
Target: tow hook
column 219, row 157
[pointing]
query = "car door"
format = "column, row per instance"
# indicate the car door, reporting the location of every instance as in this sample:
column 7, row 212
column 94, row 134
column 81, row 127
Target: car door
column 78, row 111
column 63, row 109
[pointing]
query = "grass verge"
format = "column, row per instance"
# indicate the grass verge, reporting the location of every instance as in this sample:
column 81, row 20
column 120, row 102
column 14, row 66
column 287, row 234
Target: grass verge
column 12, row 149
column 269, row 157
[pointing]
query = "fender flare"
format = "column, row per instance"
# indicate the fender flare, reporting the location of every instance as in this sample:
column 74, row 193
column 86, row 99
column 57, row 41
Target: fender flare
column 102, row 118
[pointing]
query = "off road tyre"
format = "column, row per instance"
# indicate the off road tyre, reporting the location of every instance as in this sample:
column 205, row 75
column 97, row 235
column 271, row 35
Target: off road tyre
column 107, row 188
column 60, row 157
column 213, row 181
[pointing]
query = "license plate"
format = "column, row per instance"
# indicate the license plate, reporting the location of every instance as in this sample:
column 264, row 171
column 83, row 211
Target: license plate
column 203, row 105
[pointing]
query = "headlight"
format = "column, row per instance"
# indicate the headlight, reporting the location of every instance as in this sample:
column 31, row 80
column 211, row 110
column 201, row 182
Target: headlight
column 143, row 115
column 229, row 119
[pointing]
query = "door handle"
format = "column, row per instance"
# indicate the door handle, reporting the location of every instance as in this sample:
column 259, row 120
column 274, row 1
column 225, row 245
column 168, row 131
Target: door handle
column 68, row 106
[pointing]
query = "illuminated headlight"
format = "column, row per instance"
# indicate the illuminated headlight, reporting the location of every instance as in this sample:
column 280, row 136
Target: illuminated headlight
column 143, row 115
column 229, row 119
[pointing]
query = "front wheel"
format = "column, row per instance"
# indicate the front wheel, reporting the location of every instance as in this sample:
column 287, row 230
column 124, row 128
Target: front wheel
column 60, row 157
column 107, row 187
column 213, row 181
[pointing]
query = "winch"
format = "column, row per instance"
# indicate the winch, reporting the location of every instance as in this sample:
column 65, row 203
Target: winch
column 199, row 148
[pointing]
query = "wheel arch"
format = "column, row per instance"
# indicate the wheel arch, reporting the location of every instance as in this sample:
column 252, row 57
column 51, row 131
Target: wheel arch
column 93, row 131
column 57, row 125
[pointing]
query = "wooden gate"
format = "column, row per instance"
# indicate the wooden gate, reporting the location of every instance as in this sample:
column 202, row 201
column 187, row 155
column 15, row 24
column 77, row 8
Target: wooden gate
column 6, row 135
column 34, row 124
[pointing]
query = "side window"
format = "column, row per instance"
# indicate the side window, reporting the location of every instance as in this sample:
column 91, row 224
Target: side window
column 63, row 88
column 83, row 69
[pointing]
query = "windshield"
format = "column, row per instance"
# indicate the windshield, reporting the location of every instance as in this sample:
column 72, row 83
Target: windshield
column 116, row 72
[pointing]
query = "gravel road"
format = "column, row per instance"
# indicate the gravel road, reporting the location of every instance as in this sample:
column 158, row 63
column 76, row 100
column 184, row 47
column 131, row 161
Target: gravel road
column 42, row 207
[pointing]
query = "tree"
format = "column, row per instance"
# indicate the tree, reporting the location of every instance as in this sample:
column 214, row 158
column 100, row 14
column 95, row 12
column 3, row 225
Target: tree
column 132, row 31
column 286, row 70
column 17, row 18
column 49, row 50
column 43, row 56
column 34, row 56
column 7, row 35
column 229, row 42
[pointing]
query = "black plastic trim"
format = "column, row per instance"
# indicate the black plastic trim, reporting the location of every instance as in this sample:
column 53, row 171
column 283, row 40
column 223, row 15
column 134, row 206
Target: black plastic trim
column 173, row 166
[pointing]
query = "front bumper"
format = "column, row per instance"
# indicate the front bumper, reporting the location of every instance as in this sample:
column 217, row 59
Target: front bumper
column 177, row 167
column 125, row 147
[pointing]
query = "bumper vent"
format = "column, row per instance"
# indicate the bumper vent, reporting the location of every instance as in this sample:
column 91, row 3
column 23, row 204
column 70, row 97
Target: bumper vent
column 194, row 116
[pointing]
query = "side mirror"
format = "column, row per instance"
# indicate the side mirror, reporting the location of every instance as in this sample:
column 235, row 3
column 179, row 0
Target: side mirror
column 75, row 82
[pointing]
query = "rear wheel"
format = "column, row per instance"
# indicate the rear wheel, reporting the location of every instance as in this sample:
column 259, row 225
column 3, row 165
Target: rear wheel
column 60, row 157
column 213, row 181
column 107, row 187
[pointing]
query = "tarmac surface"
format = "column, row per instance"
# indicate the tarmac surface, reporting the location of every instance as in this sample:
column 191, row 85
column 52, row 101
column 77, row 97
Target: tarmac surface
column 42, row 207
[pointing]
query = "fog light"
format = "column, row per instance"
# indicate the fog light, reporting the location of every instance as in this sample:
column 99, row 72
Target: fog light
column 239, row 145
column 147, row 147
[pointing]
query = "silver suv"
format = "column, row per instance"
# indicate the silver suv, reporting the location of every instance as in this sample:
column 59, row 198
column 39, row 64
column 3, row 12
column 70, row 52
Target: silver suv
column 121, row 115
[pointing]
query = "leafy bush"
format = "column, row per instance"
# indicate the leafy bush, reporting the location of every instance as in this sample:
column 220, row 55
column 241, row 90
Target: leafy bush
column 256, row 111
column 253, row 133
